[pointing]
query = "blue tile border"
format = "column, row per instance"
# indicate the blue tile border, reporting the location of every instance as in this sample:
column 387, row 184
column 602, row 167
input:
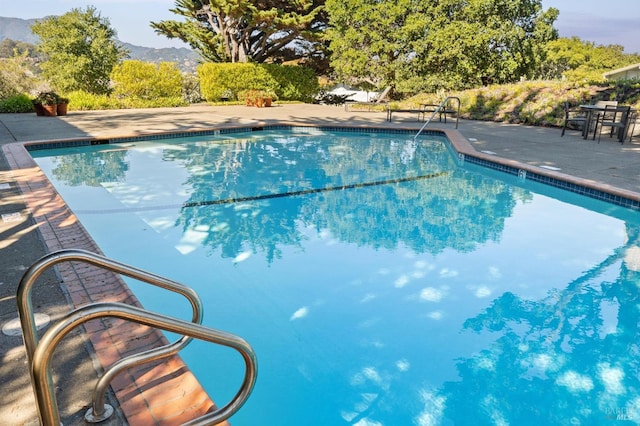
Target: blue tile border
column 557, row 183
column 222, row 131
column 598, row 194
column 55, row 145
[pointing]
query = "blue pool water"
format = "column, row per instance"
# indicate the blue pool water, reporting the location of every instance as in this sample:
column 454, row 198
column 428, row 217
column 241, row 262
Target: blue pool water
column 379, row 281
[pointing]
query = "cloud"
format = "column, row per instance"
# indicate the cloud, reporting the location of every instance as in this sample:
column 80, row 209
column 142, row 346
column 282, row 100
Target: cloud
column 435, row 315
column 401, row 281
column 448, row 273
column 612, row 378
column 432, row 294
column 300, row 313
column 575, row 382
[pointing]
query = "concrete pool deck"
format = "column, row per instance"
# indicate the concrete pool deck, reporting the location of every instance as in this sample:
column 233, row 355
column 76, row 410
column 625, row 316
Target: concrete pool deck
column 23, row 238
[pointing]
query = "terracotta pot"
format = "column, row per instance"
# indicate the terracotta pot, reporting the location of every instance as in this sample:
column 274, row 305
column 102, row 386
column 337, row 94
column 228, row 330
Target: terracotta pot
column 50, row 110
column 39, row 109
column 267, row 102
column 62, row 109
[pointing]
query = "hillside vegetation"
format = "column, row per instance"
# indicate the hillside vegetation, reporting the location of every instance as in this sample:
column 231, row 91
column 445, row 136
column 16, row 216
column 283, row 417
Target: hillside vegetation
column 539, row 103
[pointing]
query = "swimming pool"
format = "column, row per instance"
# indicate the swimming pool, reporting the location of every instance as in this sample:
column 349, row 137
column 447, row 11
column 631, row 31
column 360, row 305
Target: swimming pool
column 380, row 281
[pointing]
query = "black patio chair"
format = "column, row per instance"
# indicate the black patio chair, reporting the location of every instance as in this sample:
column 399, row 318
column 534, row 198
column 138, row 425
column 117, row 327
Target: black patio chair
column 616, row 118
column 573, row 115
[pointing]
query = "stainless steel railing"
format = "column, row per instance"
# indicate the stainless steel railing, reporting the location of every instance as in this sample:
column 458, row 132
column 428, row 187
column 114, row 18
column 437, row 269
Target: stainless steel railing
column 41, row 365
column 438, row 110
column 99, row 411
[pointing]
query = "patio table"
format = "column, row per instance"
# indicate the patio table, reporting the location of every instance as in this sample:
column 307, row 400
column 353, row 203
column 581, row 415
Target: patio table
column 590, row 109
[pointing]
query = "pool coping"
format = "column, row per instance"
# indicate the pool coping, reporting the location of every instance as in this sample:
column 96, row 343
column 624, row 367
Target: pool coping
column 182, row 398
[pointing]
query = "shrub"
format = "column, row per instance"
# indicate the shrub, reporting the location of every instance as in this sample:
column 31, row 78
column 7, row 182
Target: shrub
column 226, row 81
column 295, row 83
column 17, row 103
column 166, row 102
column 218, row 81
column 17, row 76
column 191, row 89
column 7, row 89
column 85, row 101
column 80, row 100
column 145, row 80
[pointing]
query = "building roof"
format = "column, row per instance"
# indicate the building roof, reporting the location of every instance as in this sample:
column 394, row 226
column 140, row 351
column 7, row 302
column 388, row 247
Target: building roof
column 621, row 70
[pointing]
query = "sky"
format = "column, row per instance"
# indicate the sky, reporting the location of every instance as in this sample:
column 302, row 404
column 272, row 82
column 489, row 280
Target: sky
column 602, row 22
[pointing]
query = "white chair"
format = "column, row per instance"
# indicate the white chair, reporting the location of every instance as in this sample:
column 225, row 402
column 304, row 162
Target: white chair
column 381, row 99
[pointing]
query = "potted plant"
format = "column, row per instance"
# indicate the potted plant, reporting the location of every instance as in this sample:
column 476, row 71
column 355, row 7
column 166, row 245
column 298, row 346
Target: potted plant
column 250, row 96
column 267, row 97
column 259, row 98
column 37, row 106
column 49, row 102
column 63, row 103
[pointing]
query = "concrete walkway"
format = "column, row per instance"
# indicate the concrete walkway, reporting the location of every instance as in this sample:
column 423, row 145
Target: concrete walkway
column 608, row 162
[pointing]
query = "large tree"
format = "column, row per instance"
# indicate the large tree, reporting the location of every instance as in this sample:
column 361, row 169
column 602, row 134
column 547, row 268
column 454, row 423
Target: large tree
column 578, row 60
column 370, row 40
column 81, row 50
column 417, row 45
column 243, row 30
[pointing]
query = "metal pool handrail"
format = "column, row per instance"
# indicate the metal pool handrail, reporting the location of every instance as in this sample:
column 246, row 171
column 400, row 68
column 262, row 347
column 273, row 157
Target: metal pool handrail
column 437, row 110
column 100, row 410
column 41, row 366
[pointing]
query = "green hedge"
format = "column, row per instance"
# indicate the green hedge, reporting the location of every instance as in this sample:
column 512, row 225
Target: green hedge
column 17, row 103
column 84, row 101
column 146, row 80
column 227, row 80
column 295, row 83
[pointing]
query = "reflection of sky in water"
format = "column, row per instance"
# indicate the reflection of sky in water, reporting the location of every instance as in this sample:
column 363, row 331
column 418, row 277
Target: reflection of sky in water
column 450, row 299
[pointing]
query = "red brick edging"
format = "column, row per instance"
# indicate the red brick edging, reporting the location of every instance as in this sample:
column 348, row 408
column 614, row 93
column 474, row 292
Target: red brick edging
column 163, row 393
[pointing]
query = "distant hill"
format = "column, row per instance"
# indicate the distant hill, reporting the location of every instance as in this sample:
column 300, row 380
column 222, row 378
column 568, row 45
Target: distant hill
column 17, row 29
column 186, row 59
column 20, row 30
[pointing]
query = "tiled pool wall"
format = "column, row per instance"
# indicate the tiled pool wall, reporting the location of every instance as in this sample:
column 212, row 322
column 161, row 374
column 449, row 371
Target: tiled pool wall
column 167, row 393
column 579, row 186
column 462, row 150
column 465, row 152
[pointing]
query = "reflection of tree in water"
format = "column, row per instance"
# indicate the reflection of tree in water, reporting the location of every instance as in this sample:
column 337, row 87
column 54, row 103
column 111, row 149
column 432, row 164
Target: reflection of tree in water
column 429, row 215
column 443, row 210
column 257, row 226
column 556, row 362
column 91, row 168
